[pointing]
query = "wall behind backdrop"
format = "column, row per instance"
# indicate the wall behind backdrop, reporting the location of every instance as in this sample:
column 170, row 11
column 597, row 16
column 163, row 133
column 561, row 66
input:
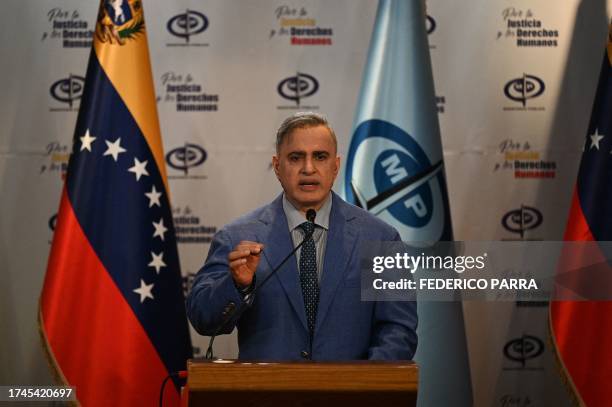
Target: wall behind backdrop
column 513, row 112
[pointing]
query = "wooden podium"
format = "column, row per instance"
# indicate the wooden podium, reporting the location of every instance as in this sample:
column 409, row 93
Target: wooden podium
column 364, row 383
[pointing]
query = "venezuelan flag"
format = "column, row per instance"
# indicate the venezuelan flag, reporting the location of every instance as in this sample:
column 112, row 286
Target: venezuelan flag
column 112, row 310
column 582, row 330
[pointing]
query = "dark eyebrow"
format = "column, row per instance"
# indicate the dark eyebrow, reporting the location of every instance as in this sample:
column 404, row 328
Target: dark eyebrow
column 303, row 153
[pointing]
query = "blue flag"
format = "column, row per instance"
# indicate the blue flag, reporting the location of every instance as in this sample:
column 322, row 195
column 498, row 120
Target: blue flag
column 395, row 170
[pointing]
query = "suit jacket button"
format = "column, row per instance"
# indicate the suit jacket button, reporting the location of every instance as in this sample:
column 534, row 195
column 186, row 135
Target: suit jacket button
column 305, row 354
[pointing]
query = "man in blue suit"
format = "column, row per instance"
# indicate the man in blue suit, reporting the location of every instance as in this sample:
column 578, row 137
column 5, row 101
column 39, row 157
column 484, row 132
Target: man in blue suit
column 311, row 308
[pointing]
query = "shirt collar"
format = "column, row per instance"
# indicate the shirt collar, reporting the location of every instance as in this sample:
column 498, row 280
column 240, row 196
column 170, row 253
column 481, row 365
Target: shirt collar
column 295, row 218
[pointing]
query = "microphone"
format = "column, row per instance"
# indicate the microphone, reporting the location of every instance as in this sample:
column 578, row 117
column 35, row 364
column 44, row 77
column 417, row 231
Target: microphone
column 311, row 214
column 230, row 311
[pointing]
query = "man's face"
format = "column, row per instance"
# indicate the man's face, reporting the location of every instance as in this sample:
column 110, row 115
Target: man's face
column 306, row 166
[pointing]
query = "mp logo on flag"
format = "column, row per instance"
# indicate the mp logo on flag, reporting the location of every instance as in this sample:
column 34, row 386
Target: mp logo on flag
column 390, row 175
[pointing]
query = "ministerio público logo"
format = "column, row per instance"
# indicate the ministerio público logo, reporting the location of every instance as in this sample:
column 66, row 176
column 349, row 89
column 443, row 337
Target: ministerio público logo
column 296, row 89
column 187, row 27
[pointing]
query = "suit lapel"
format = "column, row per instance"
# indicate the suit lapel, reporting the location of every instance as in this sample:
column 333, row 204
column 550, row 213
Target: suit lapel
column 278, row 244
column 340, row 241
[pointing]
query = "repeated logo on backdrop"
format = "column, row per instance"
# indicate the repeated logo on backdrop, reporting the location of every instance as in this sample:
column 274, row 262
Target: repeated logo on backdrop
column 66, row 93
column 522, row 90
column 299, row 28
column 186, row 29
column 52, row 223
column 523, row 29
column 521, row 220
column 518, row 158
column 68, row 28
column 186, row 159
column 187, row 95
column 521, row 352
column 430, row 26
column 298, row 89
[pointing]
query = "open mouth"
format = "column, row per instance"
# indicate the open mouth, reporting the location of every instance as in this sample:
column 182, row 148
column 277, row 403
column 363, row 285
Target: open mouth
column 308, row 185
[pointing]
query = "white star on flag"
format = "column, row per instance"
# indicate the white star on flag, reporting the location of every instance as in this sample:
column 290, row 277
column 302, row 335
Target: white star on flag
column 157, row 261
column 595, row 138
column 86, row 141
column 153, row 197
column 139, row 168
column 114, row 148
column 160, row 229
column 144, row 291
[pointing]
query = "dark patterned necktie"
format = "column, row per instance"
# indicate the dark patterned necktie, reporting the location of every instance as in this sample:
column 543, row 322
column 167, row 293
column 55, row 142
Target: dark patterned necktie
column 308, row 276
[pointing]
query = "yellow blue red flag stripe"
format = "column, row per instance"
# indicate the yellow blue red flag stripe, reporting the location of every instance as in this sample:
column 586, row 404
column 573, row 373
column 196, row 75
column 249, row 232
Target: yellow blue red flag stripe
column 112, row 308
column 582, row 330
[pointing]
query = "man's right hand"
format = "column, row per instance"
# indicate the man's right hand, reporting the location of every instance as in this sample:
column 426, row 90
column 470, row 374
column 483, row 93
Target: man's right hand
column 243, row 261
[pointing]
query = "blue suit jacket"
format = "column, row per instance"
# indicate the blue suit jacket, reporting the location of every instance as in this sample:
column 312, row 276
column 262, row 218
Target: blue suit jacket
column 274, row 326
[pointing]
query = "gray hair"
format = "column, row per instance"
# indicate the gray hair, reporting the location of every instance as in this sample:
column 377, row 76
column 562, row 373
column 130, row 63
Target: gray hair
column 302, row 120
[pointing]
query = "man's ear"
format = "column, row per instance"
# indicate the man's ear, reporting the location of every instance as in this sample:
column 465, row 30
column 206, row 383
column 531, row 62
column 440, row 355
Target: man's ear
column 275, row 164
column 337, row 169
